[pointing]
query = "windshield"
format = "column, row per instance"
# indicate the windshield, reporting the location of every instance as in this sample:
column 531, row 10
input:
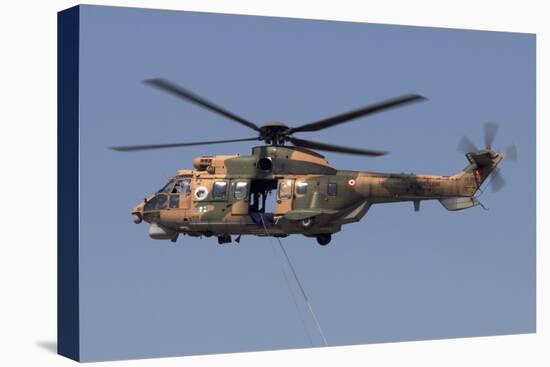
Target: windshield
column 168, row 186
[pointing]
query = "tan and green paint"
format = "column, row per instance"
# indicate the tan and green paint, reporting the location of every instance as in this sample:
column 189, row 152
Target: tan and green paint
column 311, row 197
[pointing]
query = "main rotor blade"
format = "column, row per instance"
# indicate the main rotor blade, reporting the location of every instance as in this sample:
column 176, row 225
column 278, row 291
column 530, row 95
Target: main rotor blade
column 348, row 116
column 511, row 153
column 133, row 148
column 178, row 91
column 490, row 130
column 334, row 148
column 465, row 145
column 497, row 181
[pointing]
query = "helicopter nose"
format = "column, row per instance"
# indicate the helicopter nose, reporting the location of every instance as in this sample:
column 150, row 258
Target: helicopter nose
column 137, row 212
column 136, row 217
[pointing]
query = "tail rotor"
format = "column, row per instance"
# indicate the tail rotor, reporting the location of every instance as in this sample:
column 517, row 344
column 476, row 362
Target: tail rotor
column 497, row 180
column 479, row 156
column 511, row 152
column 490, row 130
column 465, row 145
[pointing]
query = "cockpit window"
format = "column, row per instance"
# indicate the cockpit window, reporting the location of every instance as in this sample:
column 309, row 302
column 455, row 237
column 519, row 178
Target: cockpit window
column 168, row 186
column 156, row 203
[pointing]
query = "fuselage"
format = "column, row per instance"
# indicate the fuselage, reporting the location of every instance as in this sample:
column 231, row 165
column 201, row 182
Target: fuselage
column 280, row 190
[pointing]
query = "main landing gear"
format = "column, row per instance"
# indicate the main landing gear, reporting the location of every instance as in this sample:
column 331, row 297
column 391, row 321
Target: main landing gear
column 323, row 239
column 227, row 239
column 224, row 239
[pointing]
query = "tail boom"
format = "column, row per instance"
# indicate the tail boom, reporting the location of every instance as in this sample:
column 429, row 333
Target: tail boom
column 455, row 192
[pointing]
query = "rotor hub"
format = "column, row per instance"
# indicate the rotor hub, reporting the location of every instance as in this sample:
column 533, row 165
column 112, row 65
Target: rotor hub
column 274, row 133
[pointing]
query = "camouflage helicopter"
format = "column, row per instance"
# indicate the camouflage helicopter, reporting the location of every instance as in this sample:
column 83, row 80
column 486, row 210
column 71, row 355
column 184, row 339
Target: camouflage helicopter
column 227, row 195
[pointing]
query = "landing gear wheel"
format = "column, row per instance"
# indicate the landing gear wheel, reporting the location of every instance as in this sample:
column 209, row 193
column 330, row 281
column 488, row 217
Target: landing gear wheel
column 324, row 239
column 306, row 222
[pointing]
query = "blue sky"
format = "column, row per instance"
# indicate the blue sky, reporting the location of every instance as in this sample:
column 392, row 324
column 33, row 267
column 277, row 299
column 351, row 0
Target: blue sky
column 396, row 275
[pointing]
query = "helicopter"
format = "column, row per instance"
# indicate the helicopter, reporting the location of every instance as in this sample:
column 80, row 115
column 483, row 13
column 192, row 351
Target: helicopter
column 227, row 195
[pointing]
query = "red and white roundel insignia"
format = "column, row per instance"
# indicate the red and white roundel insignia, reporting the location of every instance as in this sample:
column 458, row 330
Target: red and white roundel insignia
column 351, row 182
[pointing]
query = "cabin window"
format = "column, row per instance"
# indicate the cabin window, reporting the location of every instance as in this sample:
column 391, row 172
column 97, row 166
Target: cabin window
column 285, row 189
column 201, row 192
column 219, row 190
column 157, row 203
column 332, row 189
column 182, row 186
column 241, row 190
column 301, row 188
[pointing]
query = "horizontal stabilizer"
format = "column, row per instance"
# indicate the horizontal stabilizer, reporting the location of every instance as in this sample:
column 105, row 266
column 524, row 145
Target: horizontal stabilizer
column 459, row 203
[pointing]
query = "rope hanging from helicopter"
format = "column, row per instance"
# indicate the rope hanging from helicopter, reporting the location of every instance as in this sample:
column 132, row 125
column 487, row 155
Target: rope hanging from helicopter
column 294, row 300
column 302, row 290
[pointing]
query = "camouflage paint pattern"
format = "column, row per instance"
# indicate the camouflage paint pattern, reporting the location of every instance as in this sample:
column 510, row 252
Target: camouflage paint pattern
column 317, row 209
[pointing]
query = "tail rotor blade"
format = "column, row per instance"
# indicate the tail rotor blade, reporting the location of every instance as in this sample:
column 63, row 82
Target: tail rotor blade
column 511, row 153
column 497, row 181
column 465, row 145
column 490, row 130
